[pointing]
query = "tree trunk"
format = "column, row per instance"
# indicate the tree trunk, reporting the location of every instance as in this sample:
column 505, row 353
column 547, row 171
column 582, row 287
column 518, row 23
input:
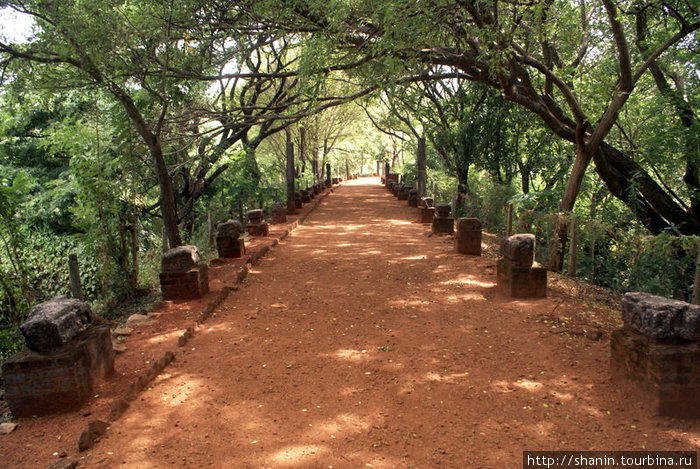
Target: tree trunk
column 134, row 252
column 420, row 164
column 291, row 206
column 696, row 284
column 462, row 190
column 557, row 248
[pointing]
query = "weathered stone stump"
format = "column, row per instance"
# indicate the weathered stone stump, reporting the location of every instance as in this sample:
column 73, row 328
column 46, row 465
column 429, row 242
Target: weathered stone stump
column 517, row 273
column 396, row 188
column 305, row 197
column 182, row 275
column 310, row 191
column 256, row 225
column 413, row 198
column 443, row 223
column 298, row 201
column 336, row 181
column 659, row 346
column 403, row 192
column 392, row 177
column 427, row 211
column 70, row 350
column 278, row 214
column 468, row 237
column 390, row 186
column 228, row 239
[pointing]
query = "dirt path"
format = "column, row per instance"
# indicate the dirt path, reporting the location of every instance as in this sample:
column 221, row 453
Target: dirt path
column 361, row 341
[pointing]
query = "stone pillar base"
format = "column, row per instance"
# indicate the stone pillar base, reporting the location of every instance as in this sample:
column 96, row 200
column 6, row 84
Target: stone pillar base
column 185, row 285
column 668, row 370
column 521, row 282
column 229, row 247
column 260, row 229
column 468, row 242
column 38, row 384
column 427, row 214
column 443, row 225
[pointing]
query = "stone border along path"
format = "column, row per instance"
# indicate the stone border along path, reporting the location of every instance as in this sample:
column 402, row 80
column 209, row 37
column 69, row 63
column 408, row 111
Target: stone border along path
column 365, row 342
column 97, row 428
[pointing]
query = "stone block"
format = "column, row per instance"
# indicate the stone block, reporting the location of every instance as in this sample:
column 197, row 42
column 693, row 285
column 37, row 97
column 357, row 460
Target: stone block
column 392, row 177
column 443, row 210
column 185, row 285
column 180, row 259
column 230, row 247
column 426, row 202
column 403, row 192
column 468, row 224
column 254, row 216
column 443, row 225
column 260, row 229
column 305, row 197
column 519, row 249
column 521, row 282
column 279, row 213
column 230, row 229
column 54, row 323
column 336, row 180
column 661, row 318
column 668, row 372
column 468, row 237
column 413, row 198
column 427, row 214
column 38, row 384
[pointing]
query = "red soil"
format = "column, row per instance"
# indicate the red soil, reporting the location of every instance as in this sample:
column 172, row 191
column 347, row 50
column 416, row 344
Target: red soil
column 362, row 341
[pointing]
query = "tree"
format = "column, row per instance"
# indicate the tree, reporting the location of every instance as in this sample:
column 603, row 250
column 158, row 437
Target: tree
column 529, row 54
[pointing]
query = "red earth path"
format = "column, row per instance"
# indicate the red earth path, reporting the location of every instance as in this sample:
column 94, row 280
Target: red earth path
column 363, row 341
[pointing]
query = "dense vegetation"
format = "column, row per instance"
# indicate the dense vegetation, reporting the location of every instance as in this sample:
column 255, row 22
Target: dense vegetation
column 123, row 123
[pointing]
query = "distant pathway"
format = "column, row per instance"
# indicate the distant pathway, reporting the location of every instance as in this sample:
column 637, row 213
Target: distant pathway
column 361, row 341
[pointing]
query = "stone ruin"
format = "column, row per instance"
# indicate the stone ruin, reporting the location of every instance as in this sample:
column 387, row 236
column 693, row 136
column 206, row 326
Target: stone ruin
column 390, row 186
column 403, row 192
column 468, row 237
column 427, row 211
column 396, row 188
column 69, row 351
column 413, row 198
column 336, row 181
column 310, row 191
column 278, row 213
column 659, row 347
column 443, row 223
column 392, row 177
column 256, row 225
column 229, row 242
column 305, row 196
column 183, row 276
column 517, row 273
column 298, row 201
